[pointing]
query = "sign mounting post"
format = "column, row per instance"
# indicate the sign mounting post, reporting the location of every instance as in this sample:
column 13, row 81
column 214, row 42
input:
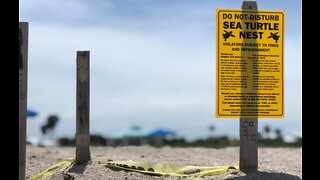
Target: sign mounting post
column 249, row 72
column 248, row 126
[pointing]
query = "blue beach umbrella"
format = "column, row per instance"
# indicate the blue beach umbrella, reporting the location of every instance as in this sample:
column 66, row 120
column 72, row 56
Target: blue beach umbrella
column 161, row 133
column 31, row 113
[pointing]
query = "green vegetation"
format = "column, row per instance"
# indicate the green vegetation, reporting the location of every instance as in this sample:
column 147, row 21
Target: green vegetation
column 264, row 140
column 95, row 140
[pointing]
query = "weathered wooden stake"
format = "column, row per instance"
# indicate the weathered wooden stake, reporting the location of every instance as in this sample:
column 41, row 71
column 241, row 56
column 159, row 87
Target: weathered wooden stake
column 249, row 127
column 83, row 102
column 23, row 78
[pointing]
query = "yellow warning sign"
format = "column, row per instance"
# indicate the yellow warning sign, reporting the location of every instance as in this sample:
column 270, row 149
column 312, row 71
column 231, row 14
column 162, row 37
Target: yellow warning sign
column 249, row 66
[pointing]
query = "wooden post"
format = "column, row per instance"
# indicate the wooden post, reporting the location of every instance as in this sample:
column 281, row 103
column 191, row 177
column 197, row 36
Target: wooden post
column 83, row 102
column 248, row 144
column 23, row 86
column 249, row 127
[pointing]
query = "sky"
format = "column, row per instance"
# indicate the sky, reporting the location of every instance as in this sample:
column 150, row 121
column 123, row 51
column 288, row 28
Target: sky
column 152, row 64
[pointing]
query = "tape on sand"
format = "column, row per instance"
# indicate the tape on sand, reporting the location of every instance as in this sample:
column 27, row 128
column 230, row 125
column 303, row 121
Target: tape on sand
column 47, row 173
column 160, row 169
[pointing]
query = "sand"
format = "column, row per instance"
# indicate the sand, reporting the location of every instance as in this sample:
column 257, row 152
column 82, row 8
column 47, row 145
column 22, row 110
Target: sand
column 274, row 163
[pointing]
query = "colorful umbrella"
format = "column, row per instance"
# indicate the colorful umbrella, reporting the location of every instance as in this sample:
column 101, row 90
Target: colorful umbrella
column 31, row 113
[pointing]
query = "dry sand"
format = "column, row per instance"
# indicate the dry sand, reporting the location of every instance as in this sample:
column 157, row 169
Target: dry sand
column 274, row 163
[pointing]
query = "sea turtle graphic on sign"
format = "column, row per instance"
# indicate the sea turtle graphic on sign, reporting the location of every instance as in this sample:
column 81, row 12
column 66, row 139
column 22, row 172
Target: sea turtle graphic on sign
column 227, row 35
column 274, row 36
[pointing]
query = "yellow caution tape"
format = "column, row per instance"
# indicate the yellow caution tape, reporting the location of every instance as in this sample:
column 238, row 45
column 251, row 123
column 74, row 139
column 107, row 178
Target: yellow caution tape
column 47, row 172
column 168, row 169
column 157, row 169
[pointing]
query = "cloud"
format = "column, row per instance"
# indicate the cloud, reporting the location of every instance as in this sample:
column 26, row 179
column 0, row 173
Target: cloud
column 143, row 15
column 152, row 63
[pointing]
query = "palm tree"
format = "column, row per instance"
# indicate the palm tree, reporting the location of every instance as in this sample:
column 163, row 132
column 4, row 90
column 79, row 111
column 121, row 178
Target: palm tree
column 211, row 129
column 52, row 121
column 278, row 133
column 267, row 131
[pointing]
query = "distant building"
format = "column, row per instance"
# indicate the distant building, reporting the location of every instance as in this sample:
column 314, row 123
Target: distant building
column 135, row 136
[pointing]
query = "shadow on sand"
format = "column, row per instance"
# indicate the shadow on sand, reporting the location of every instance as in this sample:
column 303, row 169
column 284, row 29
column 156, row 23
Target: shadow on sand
column 266, row 176
column 78, row 168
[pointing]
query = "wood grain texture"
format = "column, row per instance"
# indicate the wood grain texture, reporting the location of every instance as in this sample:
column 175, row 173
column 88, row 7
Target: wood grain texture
column 23, row 86
column 248, row 144
column 83, row 109
column 249, row 126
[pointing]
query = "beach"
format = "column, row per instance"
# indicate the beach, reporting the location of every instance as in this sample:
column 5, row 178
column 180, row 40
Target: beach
column 274, row 163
